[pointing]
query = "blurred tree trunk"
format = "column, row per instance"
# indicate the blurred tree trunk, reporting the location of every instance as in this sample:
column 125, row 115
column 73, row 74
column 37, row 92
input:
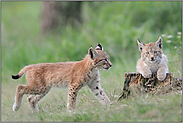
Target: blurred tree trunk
column 59, row 13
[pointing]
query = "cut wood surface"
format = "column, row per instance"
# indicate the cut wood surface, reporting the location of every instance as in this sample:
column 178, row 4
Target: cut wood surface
column 135, row 84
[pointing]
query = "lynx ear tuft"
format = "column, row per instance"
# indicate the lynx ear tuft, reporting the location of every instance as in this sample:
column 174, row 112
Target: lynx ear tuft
column 92, row 52
column 159, row 43
column 99, row 47
column 141, row 45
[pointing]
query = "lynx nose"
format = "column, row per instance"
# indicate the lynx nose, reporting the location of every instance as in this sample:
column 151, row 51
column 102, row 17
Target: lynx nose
column 152, row 59
column 110, row 64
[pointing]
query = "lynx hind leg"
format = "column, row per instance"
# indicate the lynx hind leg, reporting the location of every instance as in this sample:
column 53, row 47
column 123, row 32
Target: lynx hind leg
column 97, row 90
column 33, row 101
column 39, row 93
column 21, row 90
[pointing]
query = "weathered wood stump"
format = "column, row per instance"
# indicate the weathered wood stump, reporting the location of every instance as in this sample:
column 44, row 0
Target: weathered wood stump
column 136, row 84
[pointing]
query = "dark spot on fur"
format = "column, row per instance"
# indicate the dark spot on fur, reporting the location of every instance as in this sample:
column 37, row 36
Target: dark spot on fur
column 100, row 92
column 29, row 99
column 96, row 87
column 33, row 103
column 96, row 94
column 43, row 69
column 74, row 93
column 97, row 81
column 89, row 76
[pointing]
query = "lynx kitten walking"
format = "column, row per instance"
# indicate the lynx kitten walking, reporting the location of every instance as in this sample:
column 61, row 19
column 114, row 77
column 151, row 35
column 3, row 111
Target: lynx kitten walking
column 74, row 75
column 152, row 60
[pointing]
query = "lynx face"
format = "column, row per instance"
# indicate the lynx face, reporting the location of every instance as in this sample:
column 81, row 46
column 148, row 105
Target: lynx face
column 151, row 53
column 103, row 62
column 101, row 58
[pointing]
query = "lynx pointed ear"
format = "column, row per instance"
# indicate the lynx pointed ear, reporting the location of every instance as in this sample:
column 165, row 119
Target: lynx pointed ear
column 159, row 43
column 99, row 47
column 92, row 52
column 141, row 45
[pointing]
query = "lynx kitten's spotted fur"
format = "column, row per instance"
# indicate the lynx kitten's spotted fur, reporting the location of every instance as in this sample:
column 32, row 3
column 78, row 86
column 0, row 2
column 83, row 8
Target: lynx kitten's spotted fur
column 74, row 75
column 152, row 60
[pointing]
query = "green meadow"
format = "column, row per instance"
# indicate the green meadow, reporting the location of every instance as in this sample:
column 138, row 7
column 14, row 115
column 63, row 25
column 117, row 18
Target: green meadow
column 117, row 26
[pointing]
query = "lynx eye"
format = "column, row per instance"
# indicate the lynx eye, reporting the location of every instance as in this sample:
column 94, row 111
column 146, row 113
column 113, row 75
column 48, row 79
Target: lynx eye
column 105, row 60
column 155, row 52
column 147, row 52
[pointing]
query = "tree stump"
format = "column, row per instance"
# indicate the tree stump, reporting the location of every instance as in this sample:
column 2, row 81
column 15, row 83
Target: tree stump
column 136, row 84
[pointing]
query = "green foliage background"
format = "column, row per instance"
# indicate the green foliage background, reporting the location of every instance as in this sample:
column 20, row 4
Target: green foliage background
column 116, row 25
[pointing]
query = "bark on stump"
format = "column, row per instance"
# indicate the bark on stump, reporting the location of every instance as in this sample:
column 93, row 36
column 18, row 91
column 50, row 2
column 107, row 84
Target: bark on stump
column 136, row 84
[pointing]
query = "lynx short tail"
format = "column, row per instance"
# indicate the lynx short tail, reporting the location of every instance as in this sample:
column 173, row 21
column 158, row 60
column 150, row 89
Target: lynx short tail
column 15, row 77
column 21, row 73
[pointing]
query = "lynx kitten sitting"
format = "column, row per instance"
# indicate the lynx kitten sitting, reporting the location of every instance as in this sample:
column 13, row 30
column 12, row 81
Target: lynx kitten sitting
column 74, row 75
column 152, row 60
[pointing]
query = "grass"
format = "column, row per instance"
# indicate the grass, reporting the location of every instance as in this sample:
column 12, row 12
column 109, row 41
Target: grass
column 53, row 106
column 117, row 26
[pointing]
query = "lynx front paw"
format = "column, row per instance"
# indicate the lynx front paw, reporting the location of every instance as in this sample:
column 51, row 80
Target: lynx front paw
column 147, row 74
column 70, row 107
column 15, row 107
column 161, row 76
